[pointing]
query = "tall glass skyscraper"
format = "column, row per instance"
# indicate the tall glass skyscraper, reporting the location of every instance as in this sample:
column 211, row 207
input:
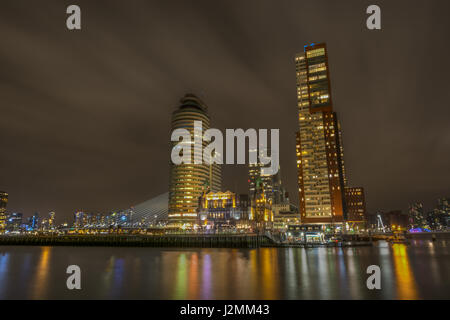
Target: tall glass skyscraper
column 321, row 176
column 189, row 181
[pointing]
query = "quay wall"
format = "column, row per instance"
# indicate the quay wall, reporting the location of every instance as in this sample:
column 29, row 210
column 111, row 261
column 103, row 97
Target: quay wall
column 201, row 241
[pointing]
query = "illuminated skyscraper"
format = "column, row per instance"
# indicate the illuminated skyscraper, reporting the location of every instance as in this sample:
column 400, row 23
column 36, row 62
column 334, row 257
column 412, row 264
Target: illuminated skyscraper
column 272, row 185
column 189, row 181
column 321, row 176
column 3, row 203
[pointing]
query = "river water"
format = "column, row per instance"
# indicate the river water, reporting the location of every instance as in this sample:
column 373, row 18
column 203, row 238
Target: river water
column 420, row 270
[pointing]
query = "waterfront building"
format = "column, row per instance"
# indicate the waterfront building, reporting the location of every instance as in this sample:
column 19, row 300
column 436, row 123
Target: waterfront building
column 219, row 210
column 321, row 173
column 3, row 203
column 356, row 208
column 189, row 181
column 284, row 215
column 311, row 233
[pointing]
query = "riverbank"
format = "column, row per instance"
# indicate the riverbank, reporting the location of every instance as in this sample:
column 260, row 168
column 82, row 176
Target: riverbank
column 195, row 241
column 176, row 240
column 181, row 241
column 443, row 235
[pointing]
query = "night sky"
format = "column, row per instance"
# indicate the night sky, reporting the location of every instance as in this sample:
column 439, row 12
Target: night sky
column 85, row 115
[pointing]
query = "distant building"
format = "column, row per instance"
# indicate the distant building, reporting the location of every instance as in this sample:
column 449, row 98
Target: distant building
column 416, row 215
column 33, row 222
column 439, row 217
column 3, row 203
column 14, row 222
column 51, row 220
column 79, row 219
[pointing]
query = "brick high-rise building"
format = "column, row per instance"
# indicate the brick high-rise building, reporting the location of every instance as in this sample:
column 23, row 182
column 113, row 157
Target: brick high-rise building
column 321, row 174
column 355, row 204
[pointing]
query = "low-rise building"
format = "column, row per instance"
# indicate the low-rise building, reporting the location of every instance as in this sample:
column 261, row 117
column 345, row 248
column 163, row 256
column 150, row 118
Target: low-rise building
column 284, row 215
column 219, row 210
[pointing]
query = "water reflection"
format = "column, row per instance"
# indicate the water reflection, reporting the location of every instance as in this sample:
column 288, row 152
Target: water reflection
column 42, row 273
column 4, row 261
column 406, row 285
column 107, row 275
column 206, row 277
column 181, row 279
column 269, row 280
column 408, row 272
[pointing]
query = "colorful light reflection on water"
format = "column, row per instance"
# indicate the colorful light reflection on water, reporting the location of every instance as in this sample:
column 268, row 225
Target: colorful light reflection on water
column 418, row 271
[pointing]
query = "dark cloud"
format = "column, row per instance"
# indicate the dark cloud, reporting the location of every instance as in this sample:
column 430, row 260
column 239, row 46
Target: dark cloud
column 85, row 115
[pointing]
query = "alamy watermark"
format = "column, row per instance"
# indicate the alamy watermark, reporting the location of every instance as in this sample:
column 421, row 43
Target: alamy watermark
column 258, row 151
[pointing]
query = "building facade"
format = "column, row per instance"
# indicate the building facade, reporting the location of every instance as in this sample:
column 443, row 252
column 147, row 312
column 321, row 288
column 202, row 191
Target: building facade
column 321, row 173
column 189, row 181
column 284, row 215
column 223, row 209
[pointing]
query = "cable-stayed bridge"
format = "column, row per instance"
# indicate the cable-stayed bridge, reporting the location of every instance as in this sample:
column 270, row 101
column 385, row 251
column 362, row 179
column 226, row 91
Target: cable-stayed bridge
column 152, row 211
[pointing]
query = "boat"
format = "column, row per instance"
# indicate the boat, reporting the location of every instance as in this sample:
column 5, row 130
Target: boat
column 398, row 238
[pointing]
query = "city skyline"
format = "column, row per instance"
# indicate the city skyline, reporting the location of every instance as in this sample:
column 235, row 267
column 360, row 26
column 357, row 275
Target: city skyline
column 99, row 146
